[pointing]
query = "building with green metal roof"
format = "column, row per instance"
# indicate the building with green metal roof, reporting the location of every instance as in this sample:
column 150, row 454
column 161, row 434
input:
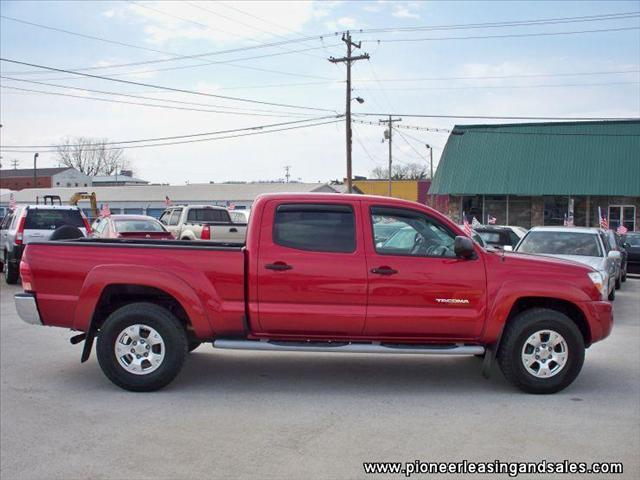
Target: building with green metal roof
column 537, row 173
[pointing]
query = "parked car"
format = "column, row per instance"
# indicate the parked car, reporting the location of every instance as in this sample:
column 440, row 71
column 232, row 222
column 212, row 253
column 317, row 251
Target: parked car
column 583, row 245
column 499, row 236
column 129, row 226
column 476, row 237
column 614, row 242
column 34, row 223
column 311, row 278
column 202, row 222
column 632, row 245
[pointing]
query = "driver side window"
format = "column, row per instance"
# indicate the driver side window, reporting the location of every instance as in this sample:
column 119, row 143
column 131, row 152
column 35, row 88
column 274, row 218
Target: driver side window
column 405, row 232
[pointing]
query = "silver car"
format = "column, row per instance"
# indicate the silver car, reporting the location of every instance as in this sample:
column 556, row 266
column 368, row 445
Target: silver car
column 33, row 223
column 582, row 245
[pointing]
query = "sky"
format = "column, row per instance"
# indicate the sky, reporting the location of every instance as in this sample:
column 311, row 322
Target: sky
column 276, row 68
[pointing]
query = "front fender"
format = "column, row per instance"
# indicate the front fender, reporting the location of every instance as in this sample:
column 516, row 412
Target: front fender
column 503, row 297
column 104, row 275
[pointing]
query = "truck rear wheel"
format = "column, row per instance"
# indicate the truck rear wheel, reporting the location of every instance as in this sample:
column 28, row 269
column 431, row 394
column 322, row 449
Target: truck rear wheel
column 542, row 351
column 141, row 347
column 11, row 273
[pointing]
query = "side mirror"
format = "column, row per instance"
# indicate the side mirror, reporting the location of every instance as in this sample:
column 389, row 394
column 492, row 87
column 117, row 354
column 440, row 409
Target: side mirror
column 614, row 254
column 463, row 247
column 507, row 248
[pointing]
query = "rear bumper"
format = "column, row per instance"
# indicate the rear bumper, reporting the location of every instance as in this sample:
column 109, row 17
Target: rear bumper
column 27, row 308
column 600, row 318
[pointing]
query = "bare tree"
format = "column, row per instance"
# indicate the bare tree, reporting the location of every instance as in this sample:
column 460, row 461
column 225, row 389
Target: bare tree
column 407, row 171
column 91, row 156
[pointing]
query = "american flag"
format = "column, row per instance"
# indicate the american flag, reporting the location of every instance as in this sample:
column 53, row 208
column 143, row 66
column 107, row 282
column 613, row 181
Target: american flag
column 621, row 230
column 466, row 226
column 491, row 220
column 12, row 202
column 105, row 212
column 167, row 201
column 604, row 223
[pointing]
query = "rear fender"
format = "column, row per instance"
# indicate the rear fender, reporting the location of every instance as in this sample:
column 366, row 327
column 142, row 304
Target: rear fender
column 104, row 275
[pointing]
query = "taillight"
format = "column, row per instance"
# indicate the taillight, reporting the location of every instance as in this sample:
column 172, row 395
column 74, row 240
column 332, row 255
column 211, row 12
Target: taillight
column 20, row 231
column 25, row 276
column 206, row 233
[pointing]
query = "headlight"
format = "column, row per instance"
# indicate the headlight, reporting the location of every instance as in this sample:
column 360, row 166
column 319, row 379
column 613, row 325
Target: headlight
column 599, row 281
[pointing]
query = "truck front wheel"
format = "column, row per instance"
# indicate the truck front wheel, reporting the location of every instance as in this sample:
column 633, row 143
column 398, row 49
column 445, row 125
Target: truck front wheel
column 542, row 351
column 141, row 347
column 11, row 273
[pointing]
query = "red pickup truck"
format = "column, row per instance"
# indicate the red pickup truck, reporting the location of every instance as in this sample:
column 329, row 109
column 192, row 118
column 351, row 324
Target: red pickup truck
column 318, row 273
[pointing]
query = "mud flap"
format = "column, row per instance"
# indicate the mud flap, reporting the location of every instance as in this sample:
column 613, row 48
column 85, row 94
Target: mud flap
column 88, row 343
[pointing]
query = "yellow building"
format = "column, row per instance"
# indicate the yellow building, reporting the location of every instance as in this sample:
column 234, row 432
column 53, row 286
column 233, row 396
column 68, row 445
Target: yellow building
column 414, row 190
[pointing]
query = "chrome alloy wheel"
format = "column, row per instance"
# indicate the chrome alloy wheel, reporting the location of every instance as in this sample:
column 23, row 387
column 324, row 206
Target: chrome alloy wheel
column 545, row 353
column 139, row 349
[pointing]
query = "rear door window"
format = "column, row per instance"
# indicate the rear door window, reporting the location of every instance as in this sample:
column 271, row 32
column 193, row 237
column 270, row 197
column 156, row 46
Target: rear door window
column 41, row 219
column 213, row 215
column 315, row 227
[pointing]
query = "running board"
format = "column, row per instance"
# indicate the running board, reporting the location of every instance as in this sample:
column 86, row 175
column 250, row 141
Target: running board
column 349, row 347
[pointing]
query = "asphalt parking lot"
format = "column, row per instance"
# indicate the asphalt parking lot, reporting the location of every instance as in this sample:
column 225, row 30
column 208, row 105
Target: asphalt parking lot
column 290, row 415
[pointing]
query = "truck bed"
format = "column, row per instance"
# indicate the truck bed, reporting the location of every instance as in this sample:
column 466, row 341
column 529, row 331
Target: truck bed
column 67, row 274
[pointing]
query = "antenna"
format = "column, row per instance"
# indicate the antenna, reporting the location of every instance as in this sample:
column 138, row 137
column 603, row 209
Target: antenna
column 287, row 172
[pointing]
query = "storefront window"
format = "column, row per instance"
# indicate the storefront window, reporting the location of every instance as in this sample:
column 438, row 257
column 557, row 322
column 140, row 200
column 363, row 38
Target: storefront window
column 555, row 209
column 519, row 211
column 472, row 207
column 622, row 215
column 495, row 206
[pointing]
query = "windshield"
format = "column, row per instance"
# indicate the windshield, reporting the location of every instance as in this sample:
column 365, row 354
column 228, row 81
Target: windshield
column 40, row 219
column 208, row 215
column 490, row 237
column 561, row 243
column 138, row 226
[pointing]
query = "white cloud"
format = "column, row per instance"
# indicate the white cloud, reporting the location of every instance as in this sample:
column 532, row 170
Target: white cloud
column 165, row 21
column 401, row 11
column 343, row 23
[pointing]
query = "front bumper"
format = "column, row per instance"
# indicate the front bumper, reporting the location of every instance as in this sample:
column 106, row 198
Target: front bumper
column 27, row 308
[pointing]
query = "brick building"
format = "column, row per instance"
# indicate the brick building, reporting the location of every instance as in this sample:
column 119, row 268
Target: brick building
column 21, row 178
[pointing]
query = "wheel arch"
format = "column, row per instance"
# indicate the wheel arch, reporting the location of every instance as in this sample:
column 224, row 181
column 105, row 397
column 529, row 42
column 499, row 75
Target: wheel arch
column 566, row 307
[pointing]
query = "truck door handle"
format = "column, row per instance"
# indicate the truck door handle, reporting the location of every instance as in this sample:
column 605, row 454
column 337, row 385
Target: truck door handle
column 278, row 266
column 234, row 229
column 384, row 271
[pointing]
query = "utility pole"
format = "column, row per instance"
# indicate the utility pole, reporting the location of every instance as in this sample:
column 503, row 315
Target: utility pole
column 389, row 137
column 348, row 60
column 14, row 163
column 287, row 175
column 35, row 175
column 430, row 161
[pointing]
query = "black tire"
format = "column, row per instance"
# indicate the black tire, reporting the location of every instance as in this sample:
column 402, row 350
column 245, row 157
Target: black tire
column 624, row 274
column 612, row 295
column 11, row 271
column 193, row 344
column 513, row 341
column 619, row 281
column 165, row 323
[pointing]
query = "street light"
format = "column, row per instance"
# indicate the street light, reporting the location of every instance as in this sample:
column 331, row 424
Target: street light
column 360, row 100
column 35, row 176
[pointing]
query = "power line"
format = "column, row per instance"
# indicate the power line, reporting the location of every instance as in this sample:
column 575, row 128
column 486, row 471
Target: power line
column 175, row 137
column 129, row 95
column 212, row 12
column 160, row 87
column 198, row 140
column 172, row 55
column 488, row 117
column 508, row 23
column 169, row 107
column 492, row 77
column 474, row 87
column 408, row 127
column 511, row 35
